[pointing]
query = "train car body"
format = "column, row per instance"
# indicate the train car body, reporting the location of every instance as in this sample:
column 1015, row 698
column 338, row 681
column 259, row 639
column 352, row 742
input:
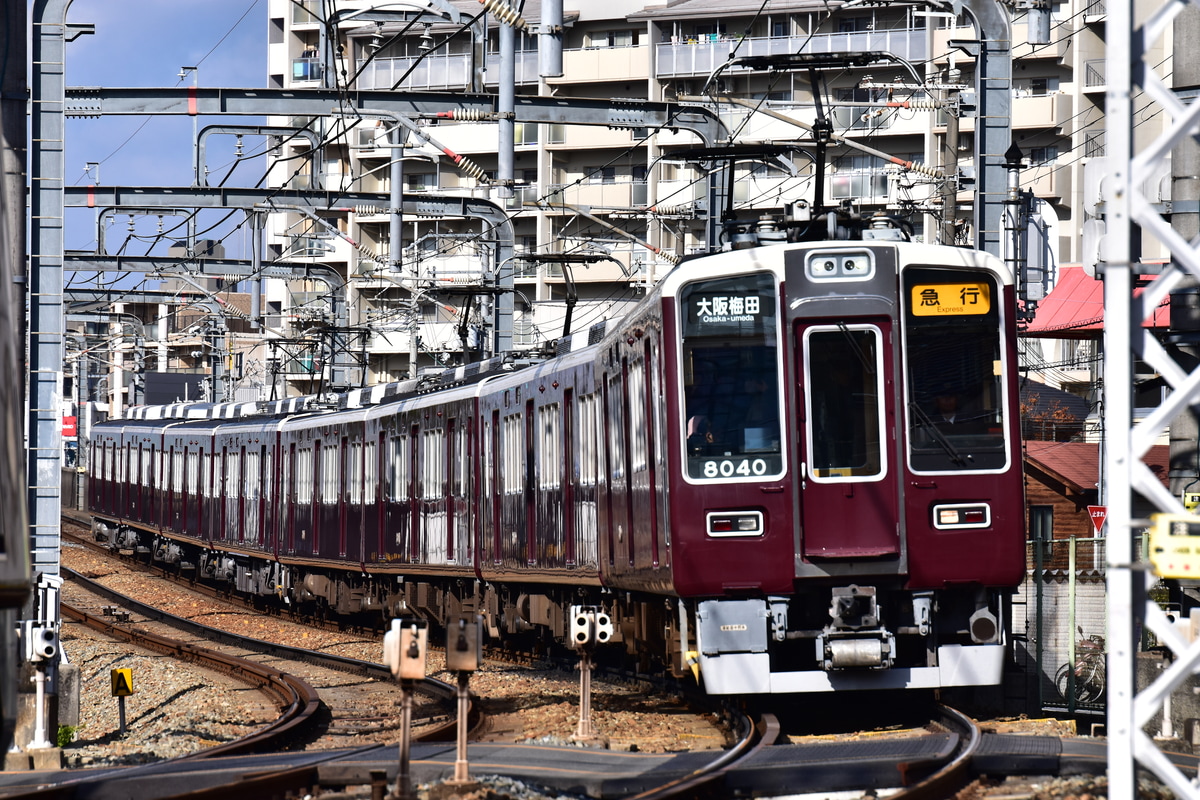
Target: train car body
column 794, row 468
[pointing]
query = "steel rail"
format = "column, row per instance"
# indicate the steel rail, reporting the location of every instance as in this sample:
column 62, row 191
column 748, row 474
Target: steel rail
column 952, row 775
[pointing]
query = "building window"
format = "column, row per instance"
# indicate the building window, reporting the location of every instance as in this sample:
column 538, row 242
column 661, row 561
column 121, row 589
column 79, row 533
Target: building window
column 602, row 175
column 1040, row 156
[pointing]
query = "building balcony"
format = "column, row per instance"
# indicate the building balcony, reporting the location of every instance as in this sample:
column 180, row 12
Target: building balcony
column 1095, row 75
column 441, row 72
column 1048, row 181
column 604, row 64
column 679, row 59
column 1038, row 112
column 1059, row 47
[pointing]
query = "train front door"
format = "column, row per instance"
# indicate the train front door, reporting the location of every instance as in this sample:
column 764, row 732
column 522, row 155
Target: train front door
column 848, row 501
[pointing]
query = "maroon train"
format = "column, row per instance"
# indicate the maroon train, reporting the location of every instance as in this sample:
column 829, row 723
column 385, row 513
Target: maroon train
column 794, row 468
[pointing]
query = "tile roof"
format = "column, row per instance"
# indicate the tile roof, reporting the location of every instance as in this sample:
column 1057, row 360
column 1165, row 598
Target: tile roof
column 1074, row 308
column 1078, row 463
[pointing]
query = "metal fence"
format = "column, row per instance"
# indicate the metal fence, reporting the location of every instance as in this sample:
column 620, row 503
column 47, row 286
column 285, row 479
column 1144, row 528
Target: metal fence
column 1060, row 625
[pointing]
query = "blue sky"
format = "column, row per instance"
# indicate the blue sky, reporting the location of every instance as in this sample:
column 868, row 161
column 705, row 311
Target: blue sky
column 145, row 43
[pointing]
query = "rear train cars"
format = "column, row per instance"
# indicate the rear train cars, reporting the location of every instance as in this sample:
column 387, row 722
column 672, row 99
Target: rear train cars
column 792, row 468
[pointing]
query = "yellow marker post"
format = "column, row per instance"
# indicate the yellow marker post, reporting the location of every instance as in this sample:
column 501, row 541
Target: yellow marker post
column 122, row 687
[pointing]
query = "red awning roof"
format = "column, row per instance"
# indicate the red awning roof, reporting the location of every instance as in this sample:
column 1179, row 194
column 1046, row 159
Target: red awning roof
column 1074, row 308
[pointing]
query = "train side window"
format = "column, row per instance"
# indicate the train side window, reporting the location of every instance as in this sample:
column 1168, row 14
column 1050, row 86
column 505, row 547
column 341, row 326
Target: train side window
column 844, row 379
column 615, row 422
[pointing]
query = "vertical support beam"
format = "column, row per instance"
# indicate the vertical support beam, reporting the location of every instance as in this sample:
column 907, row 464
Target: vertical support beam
column 993, row 123
column 506, row 103
column 1118, row 406
column 48, row 83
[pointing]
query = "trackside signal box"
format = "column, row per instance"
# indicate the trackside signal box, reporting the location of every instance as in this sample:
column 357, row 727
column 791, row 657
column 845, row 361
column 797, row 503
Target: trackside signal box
column 1175, row 545
column 464, row 643
column 404, row 648
column 122, row 682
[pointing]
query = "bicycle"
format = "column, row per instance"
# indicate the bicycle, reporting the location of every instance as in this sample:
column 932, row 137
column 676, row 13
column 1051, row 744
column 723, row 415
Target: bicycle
column 1089, row 681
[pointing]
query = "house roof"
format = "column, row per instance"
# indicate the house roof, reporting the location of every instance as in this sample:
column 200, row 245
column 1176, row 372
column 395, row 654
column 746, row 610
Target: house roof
column 1074, row 308
column 1077, row 464
column 1038, row 398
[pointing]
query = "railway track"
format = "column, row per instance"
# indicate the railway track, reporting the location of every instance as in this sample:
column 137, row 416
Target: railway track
column 929, row 773
column 435, row 722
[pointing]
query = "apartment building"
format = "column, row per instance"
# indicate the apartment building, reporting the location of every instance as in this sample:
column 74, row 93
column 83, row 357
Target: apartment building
column 609, row 210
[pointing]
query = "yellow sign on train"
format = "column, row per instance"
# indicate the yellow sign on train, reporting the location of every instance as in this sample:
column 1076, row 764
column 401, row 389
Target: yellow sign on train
column 1175, row 545
column 950, row 299
column 122, row 682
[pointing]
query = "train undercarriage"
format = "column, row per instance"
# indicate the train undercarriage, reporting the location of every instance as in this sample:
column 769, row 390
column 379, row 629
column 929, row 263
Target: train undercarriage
column 827, row 638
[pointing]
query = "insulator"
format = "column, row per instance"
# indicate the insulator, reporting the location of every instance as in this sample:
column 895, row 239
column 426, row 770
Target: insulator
column 505, row 14
column 471, row 169
column 926, row 105
column 366, row 210
column 931, row 172
column 466, row 115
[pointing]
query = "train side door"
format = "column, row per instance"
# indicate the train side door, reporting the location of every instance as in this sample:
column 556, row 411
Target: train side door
column 848, row 502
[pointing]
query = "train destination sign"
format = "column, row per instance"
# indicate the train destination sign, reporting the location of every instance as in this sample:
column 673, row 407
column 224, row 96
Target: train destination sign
column 951, row 299
column 727, row 308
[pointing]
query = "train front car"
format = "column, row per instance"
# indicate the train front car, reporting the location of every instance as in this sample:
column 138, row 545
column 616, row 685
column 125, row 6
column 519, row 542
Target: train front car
column 847, row 500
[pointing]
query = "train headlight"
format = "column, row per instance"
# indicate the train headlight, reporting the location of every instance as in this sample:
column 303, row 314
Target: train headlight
column 735, row 523
column 840, row 265
column 955, row 516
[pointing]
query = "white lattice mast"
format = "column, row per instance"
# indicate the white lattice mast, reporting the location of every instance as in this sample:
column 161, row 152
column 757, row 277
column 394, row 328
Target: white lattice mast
column 1128, row 206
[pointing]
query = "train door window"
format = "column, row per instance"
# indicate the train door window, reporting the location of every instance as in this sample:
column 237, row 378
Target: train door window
column 233, row 478
column 615, row 421
column 252, row 483
column 844, row 381
column 176, row 471
column 587, row 440
column 549, row 443
column 731, row 368
column 399, row 461
column 354, row 477
column 193, row 472
column 434, row 472
column 370, row 473
column 331, row 474
column 637, row 417
column 513, row 474
column 954, row 364
column 304, row 476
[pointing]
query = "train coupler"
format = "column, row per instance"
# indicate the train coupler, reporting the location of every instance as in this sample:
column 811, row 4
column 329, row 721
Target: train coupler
column 846, row 650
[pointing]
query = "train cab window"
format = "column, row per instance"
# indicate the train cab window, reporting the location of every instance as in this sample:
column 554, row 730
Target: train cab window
column 731, row 377
column 844, row 378
column 954, row 366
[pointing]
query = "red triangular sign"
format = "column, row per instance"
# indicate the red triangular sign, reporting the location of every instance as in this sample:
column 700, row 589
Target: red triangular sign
column 1097, row 513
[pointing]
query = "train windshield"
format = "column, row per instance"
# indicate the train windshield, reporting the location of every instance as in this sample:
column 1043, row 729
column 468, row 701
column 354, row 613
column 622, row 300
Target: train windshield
column 954, row 367
column 730, row 365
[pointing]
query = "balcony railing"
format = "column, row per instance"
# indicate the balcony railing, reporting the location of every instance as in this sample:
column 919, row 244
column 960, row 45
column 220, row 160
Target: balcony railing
column 682, row 58
column 441, row 72
column 1095, row 73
